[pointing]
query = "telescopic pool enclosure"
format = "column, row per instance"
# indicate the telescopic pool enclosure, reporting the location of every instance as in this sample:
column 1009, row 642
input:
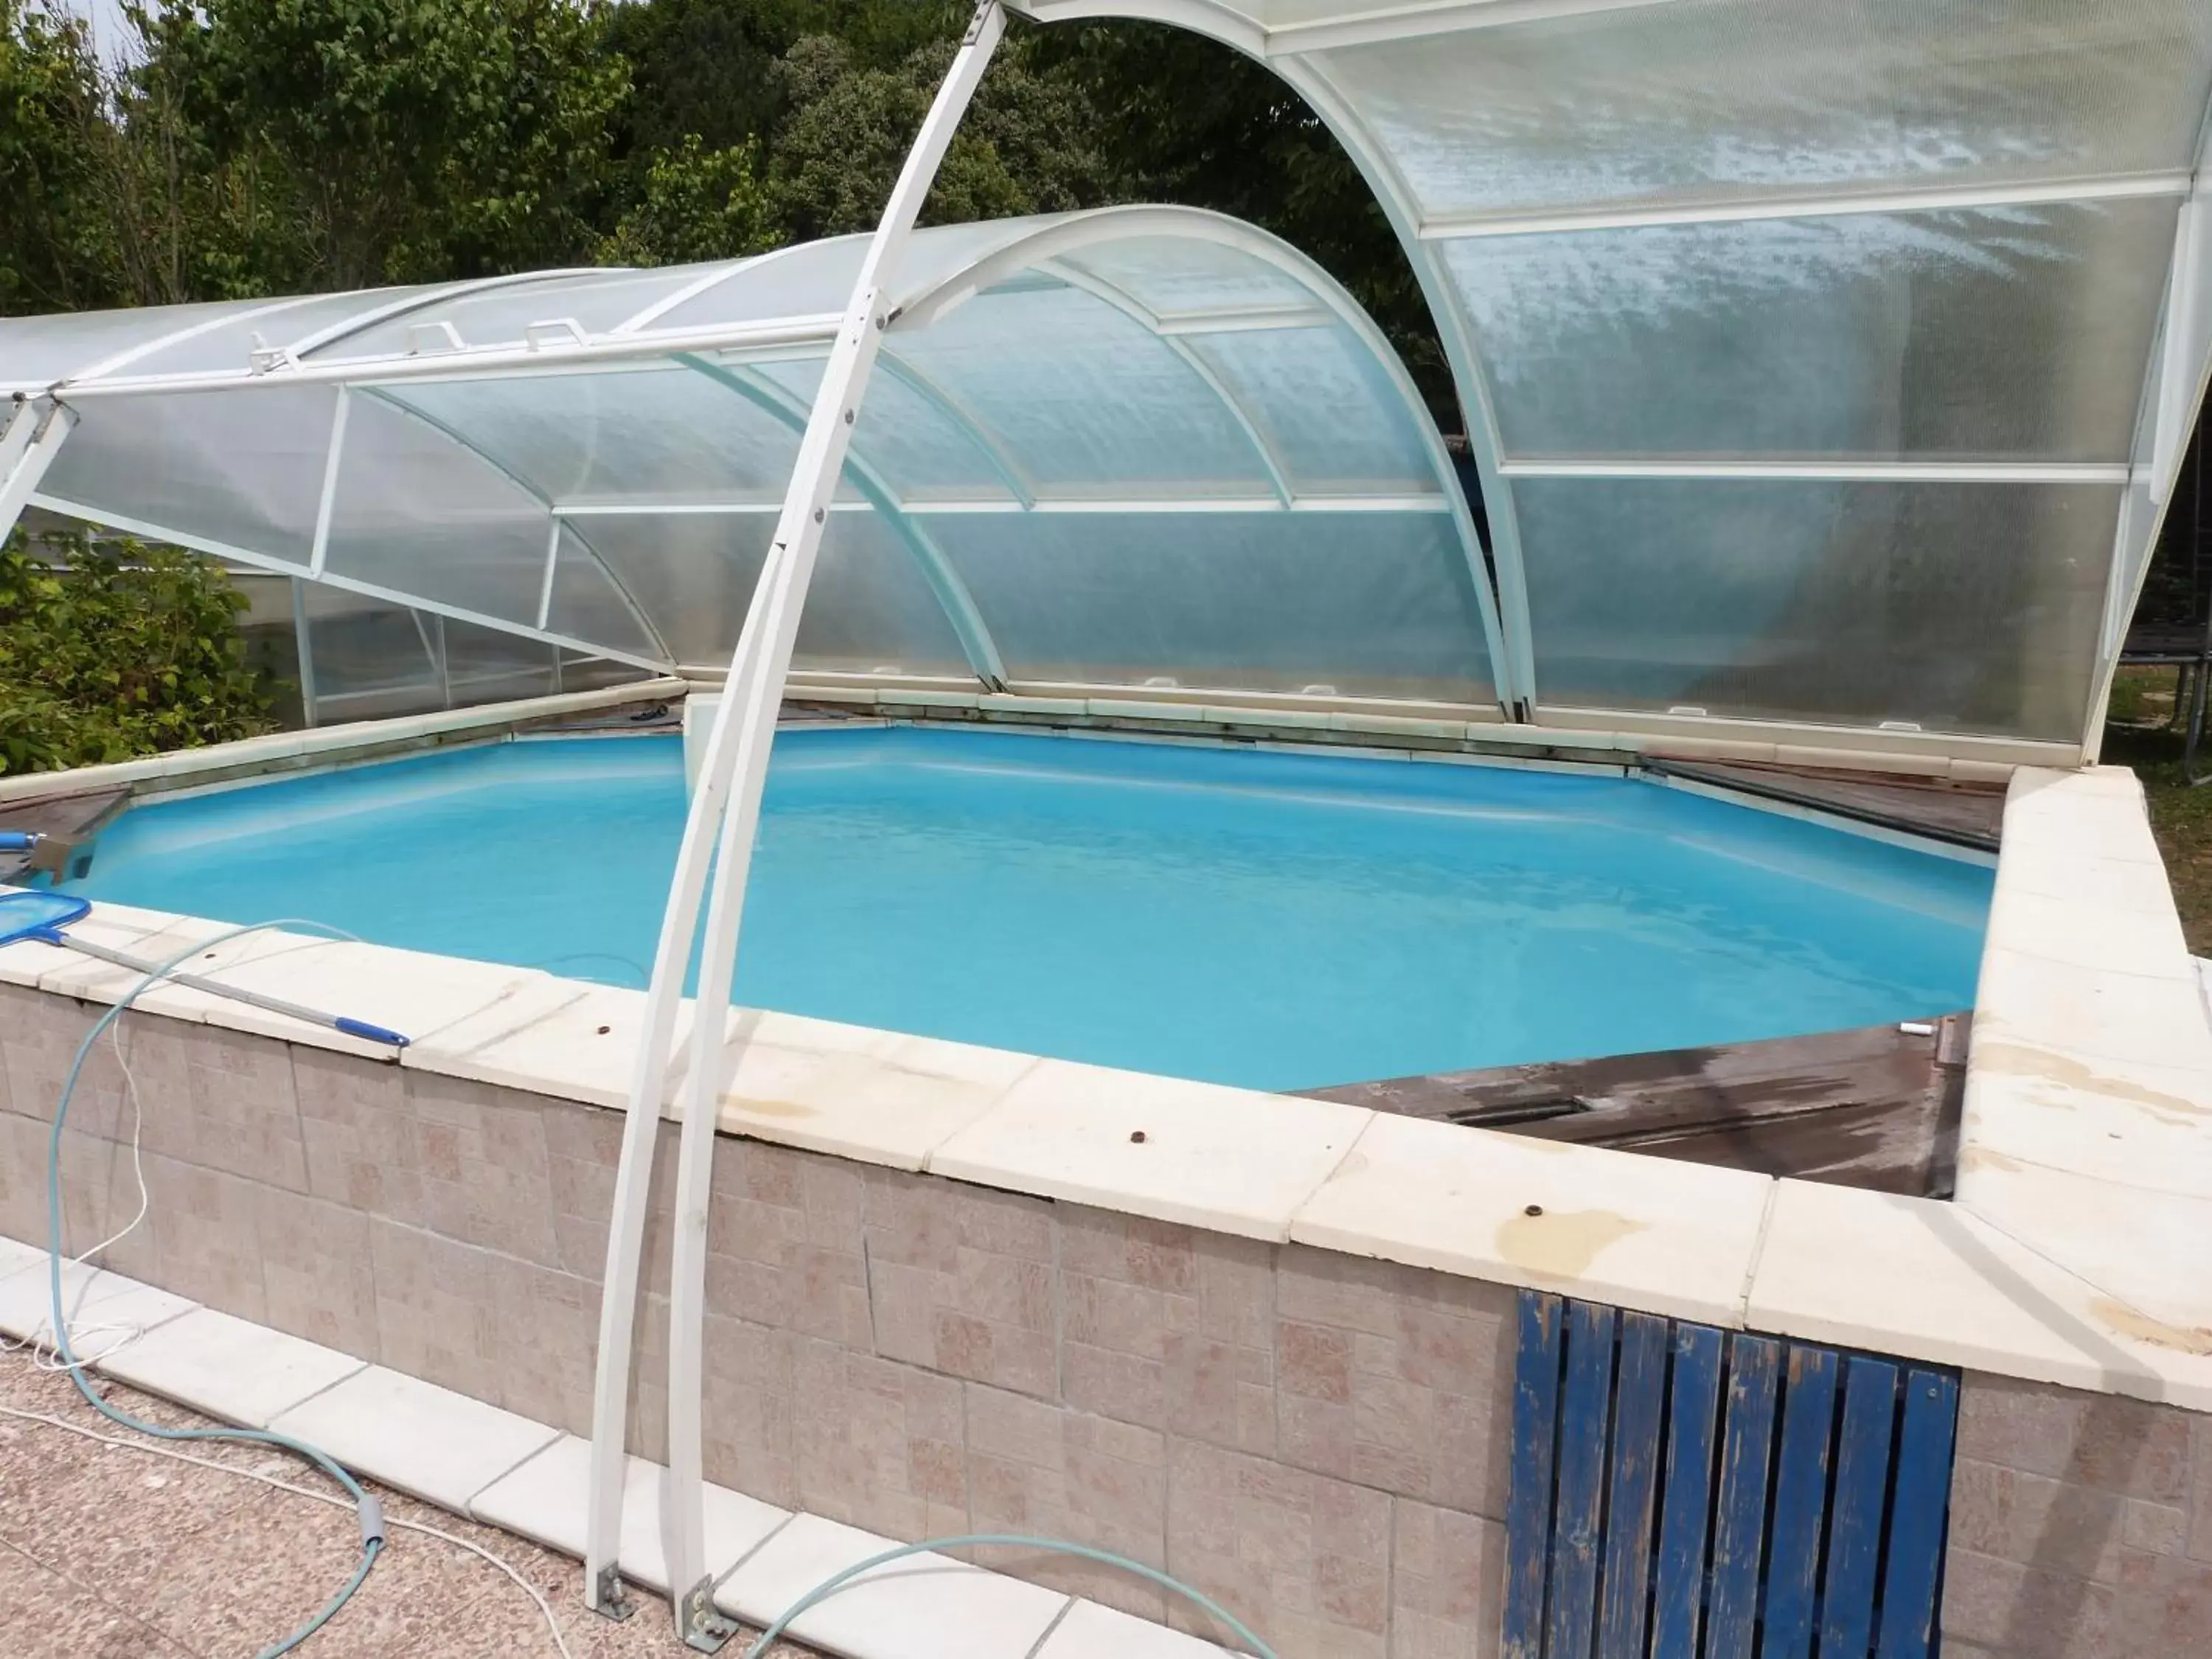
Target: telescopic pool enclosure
column 1825, row 365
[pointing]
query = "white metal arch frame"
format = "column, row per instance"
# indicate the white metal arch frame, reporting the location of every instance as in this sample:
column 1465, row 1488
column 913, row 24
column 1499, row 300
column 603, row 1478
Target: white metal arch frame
column 1294, row 49
column 536, row 493
column 952, row 592
column 721, row 826
column 1511, row 650
column 1047, row 247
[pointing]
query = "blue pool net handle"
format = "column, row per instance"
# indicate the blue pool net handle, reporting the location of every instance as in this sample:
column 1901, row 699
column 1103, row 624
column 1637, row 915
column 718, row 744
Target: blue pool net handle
column 17, row 841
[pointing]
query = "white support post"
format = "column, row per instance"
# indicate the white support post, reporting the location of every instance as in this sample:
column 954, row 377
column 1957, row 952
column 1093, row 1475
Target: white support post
column 332, row 458
column 728, row 794
column 552, row 563
column 22, row 477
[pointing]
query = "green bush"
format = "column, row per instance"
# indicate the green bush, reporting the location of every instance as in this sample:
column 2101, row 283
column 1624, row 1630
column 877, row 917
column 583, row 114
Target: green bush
column 114, row 649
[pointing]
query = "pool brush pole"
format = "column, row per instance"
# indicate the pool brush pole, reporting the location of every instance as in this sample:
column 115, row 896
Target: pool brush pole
column 339, row 1022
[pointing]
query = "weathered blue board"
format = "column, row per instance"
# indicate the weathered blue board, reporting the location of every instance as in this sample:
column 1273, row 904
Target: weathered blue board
column 1681, row 1493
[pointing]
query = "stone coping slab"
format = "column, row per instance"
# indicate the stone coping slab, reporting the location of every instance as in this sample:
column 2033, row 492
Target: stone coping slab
column 181, row 768
column 2087, row 1139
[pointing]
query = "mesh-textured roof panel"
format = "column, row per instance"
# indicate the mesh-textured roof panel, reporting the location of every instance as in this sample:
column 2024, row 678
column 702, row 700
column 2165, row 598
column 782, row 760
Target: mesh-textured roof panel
column 597, row 457
column 1704, row 266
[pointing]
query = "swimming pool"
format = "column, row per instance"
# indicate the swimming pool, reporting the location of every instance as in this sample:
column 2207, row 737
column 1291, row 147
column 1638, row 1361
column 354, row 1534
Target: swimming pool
column 1269, row 920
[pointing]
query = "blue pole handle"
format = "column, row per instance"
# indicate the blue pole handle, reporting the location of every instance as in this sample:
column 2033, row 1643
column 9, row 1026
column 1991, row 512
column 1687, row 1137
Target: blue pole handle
column 17, row 841
column 367, row 1033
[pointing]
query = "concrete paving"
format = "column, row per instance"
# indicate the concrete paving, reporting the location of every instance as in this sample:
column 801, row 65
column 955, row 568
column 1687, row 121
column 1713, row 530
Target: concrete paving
column 109, row 1553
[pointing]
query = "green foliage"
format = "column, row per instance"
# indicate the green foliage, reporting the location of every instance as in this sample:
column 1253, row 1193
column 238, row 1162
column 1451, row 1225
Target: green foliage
column 695, row 204
column 1023, row 147
column 413, row 139
column 109, row 650
column 54, row 254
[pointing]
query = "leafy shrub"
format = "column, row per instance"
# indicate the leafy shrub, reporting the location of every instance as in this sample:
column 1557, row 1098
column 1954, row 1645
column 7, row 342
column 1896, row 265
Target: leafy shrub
column 114, row 649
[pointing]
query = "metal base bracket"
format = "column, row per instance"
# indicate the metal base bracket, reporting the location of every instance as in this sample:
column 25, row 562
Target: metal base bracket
column 702, row 1627
column 614, row 1600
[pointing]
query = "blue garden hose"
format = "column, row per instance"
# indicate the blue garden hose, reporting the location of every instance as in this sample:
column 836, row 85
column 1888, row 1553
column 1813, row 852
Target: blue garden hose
column 371, row 1515
column 830, row 1586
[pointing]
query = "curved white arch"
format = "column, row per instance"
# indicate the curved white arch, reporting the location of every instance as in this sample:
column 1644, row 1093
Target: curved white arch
column 945, row 583
column 980, row 258
column 1074, row 233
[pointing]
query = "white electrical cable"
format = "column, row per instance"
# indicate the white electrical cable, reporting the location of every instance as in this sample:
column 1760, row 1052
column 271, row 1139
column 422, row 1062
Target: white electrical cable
column 44, row 1353
column 552, row 1624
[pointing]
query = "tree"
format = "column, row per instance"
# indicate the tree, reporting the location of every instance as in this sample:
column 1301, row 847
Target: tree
column 1023, row 147
column 56, row 254
column 695, row 204
column 413, row 140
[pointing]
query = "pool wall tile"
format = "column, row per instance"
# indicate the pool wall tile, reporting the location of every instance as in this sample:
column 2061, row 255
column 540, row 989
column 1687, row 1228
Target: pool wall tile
column 1313, row 1551
column 1447, row 1582
column 1035, row 1469
column 315, row 1270
column 784, row 1243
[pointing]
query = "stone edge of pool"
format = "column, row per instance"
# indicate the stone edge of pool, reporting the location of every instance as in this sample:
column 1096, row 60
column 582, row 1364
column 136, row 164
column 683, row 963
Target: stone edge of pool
column 2071, row 1254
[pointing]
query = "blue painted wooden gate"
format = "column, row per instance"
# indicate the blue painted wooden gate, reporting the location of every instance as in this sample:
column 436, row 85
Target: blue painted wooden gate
column 1683, row 1493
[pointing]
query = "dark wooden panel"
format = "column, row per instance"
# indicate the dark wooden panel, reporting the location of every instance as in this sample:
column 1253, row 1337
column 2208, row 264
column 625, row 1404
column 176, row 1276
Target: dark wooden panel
column 1677, row 1602
column 1639, row 1396
column 1855, row 1516
column 1874, row 1107
column 1970, row 814
column 1585, row 1412
column 1739, row 1516
column 1919, row 1505
column 1800, row 1500
column 1529, row 1500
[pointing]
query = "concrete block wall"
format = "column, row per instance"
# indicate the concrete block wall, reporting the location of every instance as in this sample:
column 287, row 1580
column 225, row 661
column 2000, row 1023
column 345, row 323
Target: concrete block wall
column 2081, row 1527
column 1318, row 1440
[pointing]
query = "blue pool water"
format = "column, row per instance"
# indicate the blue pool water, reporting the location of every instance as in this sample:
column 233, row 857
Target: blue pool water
column 1274, row 920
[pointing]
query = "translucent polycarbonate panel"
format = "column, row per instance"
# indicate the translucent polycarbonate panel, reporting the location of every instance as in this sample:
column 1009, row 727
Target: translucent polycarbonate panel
column 229, row 349
column 1361, row 603
column 1330, row 410
column 597, row 301
column 660, row 435
column 692, row 573
column 1697, row 99
column 418, row 513
column 866, row 609
column 372, row 657
column 483, row 664
column 811, row 279
column 588, row 603
column 241, row 469
column 814, row 279
column 1178, row 277
column 1089, row 402
column 918, row 443
column 35, row 352
column 2004, row 333
column 1966, row 608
